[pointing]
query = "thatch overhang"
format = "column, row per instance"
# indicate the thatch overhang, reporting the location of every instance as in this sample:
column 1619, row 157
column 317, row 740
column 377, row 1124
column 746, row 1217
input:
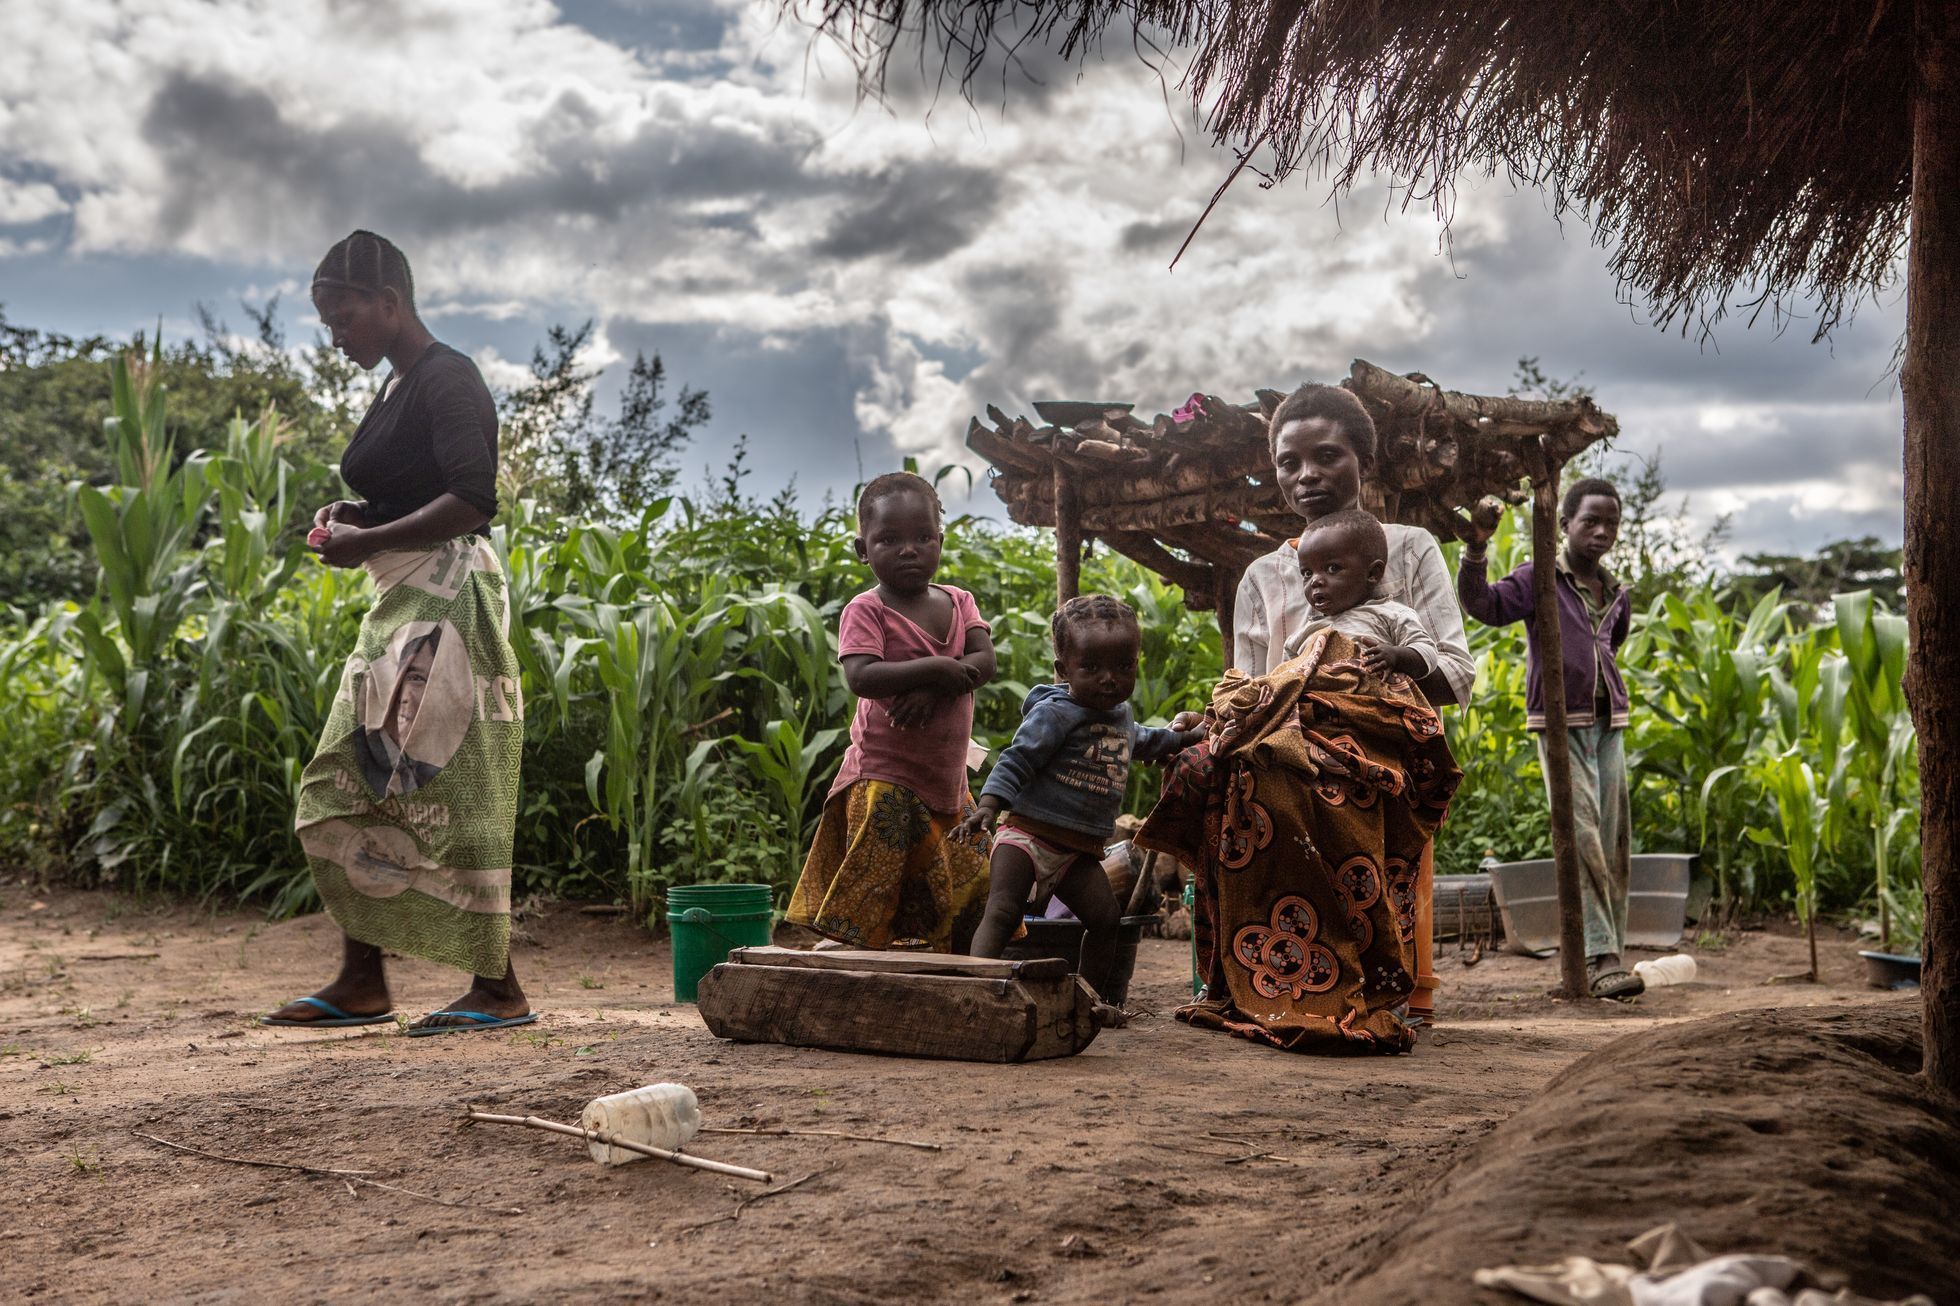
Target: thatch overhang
column 1728, row 151
column 1194, row 500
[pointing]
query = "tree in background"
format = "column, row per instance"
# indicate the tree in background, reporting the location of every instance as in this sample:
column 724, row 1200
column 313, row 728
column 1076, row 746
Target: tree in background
column 54, row 397
column 558, row 451
column 1839, row 567
column 1659, row 552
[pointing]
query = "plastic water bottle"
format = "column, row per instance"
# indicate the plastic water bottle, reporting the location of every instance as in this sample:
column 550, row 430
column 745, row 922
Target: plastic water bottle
column 660, row 1115
column 1659, row 972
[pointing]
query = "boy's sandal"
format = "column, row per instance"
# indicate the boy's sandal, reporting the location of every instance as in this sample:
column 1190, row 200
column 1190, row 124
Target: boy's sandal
column 1618, row 985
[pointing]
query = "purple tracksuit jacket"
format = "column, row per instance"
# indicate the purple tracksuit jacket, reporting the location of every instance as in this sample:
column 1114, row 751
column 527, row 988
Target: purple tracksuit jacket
column 1591, row 652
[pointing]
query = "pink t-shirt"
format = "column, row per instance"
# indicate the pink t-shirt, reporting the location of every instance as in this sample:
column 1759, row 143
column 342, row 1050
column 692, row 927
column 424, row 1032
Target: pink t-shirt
column 930, row 760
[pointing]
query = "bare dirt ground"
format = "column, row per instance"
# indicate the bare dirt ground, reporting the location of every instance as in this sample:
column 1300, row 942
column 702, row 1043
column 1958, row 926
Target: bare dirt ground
column 1162, row 1162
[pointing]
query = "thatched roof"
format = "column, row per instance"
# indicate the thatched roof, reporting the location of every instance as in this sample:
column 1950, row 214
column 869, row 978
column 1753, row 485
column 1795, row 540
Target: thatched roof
column 1195, row 498
column 1722, row 149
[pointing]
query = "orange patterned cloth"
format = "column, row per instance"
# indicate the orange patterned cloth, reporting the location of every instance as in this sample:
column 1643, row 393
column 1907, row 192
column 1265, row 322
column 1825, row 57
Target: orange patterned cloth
column 1304, row 817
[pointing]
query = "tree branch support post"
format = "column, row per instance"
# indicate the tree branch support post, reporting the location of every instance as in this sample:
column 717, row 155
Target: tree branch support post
column 1932, row 471
column 1068, row 537
column 1558, row 742
column 1224, row 602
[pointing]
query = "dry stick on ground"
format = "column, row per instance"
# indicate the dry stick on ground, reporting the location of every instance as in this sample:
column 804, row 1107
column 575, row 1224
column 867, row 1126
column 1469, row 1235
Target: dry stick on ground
column 117, row 956
column 357, row 1176
column 747, row 1202
column 613, row 1140
column 822, row 1133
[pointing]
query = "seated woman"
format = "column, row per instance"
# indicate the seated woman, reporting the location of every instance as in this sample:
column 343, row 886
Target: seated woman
column 1324, row 447
column 1305, row 820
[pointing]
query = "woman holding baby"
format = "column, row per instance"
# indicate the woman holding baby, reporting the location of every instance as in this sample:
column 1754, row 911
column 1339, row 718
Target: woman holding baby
column 1308, row 818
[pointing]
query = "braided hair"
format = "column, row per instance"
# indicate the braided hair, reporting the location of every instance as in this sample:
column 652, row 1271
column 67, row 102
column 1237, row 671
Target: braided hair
column 895, row 483
column 367, row 263
column 1090, row 610
column 1335, row 404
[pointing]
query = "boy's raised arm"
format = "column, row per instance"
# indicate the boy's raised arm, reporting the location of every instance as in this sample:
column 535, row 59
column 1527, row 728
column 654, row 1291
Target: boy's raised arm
column 1498, row 604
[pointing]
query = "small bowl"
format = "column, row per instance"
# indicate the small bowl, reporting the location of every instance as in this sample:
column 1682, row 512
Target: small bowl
column 1890, row 970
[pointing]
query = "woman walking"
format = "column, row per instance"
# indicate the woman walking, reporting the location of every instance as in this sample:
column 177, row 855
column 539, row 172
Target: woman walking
column 407, row 810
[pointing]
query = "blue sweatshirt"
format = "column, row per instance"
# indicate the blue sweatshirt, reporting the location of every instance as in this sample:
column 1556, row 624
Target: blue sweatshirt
column 1068, row 764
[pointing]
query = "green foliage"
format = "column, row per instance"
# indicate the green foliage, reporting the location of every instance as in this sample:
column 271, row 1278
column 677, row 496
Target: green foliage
column 686, row 711
column 1841, row 566
column 1785, row 759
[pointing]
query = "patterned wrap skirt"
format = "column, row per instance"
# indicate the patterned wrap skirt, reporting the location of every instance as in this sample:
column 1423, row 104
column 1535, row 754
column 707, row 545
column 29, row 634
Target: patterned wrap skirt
column 408, row 809
column 885, row 868
column 1303, row 816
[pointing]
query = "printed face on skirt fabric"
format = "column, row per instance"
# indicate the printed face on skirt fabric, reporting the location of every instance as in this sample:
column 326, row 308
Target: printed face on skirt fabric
column 415, row 706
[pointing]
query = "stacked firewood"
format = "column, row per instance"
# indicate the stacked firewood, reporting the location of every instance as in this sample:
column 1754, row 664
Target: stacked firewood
column 1191, row 495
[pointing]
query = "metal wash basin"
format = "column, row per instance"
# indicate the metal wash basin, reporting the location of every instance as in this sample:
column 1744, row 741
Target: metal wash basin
column 1657, row 901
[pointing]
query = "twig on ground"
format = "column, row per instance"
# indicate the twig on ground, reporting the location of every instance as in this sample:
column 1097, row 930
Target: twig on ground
column 1249, row 1156
column 747, row 1202
column 822, row 1133
column 611, row 1140
column 115, row 956
column 358, row 1176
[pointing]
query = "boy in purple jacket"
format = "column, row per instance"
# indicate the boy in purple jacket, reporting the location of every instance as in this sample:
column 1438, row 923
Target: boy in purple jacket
column 1594, row 612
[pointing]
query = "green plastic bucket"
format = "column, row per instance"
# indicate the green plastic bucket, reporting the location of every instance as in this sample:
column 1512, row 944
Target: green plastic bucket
column 710, row 920
column 1191, row 915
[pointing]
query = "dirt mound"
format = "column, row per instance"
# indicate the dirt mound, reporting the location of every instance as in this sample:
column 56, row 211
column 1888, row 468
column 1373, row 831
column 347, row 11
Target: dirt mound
column 1793, row 1132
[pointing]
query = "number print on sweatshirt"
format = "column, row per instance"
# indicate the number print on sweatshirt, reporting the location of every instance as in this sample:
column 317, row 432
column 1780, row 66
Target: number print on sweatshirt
column 1100, row 765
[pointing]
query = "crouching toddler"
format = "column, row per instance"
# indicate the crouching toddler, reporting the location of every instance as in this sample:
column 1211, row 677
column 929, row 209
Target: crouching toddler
column 1061, row 782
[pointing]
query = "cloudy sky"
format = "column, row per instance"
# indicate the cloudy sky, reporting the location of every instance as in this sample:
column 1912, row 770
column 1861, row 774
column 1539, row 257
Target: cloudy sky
column 849, row 281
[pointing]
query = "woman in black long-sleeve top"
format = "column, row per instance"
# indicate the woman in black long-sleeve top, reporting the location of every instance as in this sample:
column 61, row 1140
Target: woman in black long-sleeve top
column 407, row 810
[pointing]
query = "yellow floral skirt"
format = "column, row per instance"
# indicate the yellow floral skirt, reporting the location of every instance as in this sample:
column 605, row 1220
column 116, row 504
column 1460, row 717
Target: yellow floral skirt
column 885, row 869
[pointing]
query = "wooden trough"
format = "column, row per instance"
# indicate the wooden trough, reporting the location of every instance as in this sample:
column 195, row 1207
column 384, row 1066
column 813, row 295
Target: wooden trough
column 912, row 1004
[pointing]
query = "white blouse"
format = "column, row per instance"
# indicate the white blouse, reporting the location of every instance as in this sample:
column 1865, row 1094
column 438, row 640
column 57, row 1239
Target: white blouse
column 1272, row 605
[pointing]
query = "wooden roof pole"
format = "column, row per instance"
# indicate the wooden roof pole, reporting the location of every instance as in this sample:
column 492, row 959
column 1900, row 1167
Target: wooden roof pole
column 1558, row 741
column 1224, row 599
column 1068, row 537
column 1932, row 467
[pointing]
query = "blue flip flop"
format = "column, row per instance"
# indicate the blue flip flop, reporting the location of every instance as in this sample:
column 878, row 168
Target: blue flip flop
column 331, row 1017
column 478, row 1021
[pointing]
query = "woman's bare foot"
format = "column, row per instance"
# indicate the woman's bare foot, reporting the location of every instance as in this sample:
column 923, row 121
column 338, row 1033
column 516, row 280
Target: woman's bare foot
column 502, row 998
column 361, row 988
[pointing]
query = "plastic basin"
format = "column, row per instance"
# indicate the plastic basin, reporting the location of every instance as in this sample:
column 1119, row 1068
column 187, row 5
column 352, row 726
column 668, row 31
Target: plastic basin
column 1890, row 970
column 1657, row 901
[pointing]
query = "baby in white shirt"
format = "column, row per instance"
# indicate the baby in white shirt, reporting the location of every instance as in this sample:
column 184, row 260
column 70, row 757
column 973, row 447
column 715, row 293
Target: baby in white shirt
column 1342, row 556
